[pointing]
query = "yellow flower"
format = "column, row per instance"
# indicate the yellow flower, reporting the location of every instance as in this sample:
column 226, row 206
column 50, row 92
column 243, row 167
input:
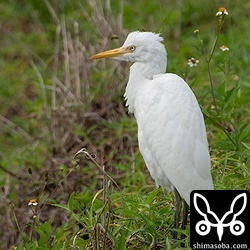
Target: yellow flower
column 222, row 11
column 33, row 202
column 196, row 31
column 224, row 48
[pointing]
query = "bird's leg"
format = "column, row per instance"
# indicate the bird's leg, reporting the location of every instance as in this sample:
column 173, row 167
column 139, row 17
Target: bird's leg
column 184, row 215
column 184, row 218
column 178, row 204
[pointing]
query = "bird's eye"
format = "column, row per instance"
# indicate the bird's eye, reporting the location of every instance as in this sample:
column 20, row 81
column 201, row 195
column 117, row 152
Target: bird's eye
column 132, row 48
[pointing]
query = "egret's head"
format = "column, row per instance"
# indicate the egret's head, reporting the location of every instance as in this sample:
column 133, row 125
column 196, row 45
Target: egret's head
column 138, row 47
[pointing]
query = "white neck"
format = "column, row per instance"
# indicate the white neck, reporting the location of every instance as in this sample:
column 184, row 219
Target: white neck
column 140, row 74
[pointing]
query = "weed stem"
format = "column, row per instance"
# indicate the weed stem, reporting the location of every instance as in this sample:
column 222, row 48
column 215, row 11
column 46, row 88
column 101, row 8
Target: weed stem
column 15, row 218
column 208, row 65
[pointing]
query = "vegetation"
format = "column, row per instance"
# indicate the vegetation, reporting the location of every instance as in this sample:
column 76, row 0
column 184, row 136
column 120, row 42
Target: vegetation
column 54, row 102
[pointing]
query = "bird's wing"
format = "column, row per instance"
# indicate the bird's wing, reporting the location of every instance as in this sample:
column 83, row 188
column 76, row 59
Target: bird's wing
column 172, row 135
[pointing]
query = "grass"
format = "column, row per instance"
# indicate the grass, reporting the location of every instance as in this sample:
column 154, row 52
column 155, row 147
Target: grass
column 54, row 102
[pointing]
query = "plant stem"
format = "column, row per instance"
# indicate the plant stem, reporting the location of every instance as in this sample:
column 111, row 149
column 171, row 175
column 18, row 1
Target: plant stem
column 208, row 65
column 215, row 43
column 212, row 86
column 15, row 218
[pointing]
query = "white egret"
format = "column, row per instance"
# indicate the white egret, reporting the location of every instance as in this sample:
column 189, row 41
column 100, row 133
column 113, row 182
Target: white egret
column 171, row 130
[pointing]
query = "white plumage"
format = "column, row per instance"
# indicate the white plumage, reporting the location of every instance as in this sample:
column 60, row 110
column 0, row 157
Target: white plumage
column 171, row 131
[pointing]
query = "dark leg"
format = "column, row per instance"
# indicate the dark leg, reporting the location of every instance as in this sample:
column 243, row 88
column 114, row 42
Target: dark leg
column 178, row 204
column 184, row 215
column 177, row 216
column 184, row 218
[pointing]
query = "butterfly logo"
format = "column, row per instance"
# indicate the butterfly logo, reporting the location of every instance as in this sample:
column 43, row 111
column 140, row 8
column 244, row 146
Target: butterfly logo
column 229, row 219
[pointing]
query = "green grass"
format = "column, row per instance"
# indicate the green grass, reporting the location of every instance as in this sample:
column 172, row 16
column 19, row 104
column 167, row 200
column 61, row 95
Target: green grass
column 54, row 101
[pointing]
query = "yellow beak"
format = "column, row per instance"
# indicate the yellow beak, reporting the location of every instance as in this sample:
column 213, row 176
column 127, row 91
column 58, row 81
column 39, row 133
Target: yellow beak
column 110, row 53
